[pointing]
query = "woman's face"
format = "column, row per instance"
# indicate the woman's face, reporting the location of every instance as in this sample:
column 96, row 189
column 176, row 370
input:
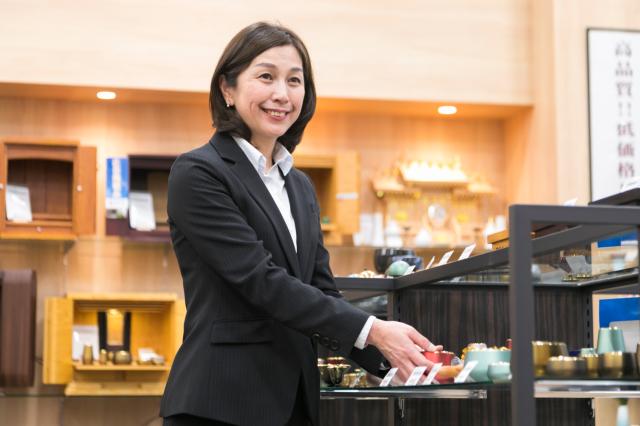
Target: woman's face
column 269, row 93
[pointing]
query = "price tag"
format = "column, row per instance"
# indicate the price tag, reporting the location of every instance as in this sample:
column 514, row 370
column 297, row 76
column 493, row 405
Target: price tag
column 432, row 373
column 415, row 376
column 445, row 258
column 355, row 382
column 433, row 259
column 387, row 379
column 464, row 374
column 467, row 251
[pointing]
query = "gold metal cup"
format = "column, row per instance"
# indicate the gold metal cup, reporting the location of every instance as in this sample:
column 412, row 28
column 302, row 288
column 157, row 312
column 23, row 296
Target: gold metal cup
column 617, row 365
column 87, row 354
column 103, row 356
column 542, row 351
column 591, row 361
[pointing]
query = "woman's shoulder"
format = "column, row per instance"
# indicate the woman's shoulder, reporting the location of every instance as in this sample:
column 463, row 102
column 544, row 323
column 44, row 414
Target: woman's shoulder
column 203, row 161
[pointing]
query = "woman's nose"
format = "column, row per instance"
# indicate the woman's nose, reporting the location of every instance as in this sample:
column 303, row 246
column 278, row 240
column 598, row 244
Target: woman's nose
column 280, row 91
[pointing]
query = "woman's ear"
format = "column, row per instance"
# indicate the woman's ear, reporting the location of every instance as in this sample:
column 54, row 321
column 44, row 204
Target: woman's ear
column 226, row 91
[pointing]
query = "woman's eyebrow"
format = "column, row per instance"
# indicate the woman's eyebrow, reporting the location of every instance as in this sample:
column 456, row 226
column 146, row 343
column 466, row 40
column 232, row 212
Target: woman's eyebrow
column 270, row 65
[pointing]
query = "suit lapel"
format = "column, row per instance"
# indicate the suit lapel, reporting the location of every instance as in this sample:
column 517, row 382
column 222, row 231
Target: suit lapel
column 300, row 209
column 244, row 170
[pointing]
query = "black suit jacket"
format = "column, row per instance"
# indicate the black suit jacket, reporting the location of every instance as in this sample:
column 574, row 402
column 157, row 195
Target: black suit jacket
column 255, row 308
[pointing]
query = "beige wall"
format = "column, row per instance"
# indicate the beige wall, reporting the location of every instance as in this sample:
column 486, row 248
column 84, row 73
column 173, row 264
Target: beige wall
column 464, row 50
column 569, row 21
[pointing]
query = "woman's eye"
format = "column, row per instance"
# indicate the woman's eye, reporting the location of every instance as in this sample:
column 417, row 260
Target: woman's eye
column 265, row 76
column 295, row 80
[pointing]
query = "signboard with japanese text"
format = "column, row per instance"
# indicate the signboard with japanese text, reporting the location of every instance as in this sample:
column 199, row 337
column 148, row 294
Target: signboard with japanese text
column 614, row 110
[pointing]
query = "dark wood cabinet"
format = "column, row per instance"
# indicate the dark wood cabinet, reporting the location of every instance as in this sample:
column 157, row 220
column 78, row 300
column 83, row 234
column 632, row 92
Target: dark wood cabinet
column 148, row 173
column 17, row 327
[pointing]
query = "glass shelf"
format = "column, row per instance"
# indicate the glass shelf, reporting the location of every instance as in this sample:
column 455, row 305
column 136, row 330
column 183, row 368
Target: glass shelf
column 544, row 388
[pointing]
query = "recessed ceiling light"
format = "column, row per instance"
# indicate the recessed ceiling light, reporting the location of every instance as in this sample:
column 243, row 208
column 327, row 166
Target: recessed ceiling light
column 447, row 109
column 106, row 95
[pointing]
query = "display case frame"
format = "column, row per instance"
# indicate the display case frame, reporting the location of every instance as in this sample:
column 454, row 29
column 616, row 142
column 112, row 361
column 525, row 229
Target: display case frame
column 589, row 224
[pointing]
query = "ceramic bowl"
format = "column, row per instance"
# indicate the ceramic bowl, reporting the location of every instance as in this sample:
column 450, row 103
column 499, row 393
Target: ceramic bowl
column 382, row 257
column 499, row 372
column 484, row 358
column 122, row 357
column 566, row 366
column 444, row 357
column 410, row 259
column 397, row 269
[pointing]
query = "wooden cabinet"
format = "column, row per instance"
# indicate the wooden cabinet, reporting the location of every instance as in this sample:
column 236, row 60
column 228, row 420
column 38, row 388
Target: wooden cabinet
column 61, row 177
column 336, row 179
column 156, row 322
column 148, row 173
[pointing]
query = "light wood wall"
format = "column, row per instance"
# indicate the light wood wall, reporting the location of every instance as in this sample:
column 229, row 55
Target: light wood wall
column 554, row 137
column 464, row 51
column 572, row 18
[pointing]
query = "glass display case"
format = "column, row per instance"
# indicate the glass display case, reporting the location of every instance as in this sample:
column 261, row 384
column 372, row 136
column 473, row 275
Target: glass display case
column 541, row 289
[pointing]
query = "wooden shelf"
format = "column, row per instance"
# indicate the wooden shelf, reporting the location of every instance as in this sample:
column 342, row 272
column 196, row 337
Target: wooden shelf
column 156, row 321
column 328, row 227
column 437, row 183
column 114, row 367
column 30, row 236
column 114, row 389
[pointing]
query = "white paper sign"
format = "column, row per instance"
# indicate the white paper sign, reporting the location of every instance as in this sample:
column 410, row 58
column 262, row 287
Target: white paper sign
column 578, row 264
column 614, row 100
column 415, row 376
column 467, row 251
column 18, row 203
column 464, row 374
column 84, row 335
column 387, row 379
column 141, row 214
column 445, row 258
column 432, row 373
column 433, row 259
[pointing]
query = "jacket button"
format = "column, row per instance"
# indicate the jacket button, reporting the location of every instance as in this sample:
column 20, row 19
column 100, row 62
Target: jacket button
column 334, row 345
column 324, row 341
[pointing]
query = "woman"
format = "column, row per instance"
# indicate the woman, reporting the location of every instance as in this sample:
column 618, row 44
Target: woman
column 245, row 228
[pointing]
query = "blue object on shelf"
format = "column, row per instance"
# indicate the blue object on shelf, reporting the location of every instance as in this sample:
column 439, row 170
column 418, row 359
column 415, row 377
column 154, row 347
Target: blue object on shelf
column 620, row 309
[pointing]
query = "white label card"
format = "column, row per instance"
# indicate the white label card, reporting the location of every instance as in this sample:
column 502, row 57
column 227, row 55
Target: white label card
column 445, row 258
column 464, row 374
column 432, row 373
column 387, row 379
column 433, row 259
column 18, row 204
column 578, row 264
column 467, row 251
column 141, row 214
column 414, row 378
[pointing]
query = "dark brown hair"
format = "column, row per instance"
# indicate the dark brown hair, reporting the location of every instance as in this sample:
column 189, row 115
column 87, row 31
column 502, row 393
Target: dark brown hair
column 241, row 50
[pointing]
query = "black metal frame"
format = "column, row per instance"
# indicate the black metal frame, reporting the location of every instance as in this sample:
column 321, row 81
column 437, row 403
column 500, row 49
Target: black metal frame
column 593, row 222
column 521, row 218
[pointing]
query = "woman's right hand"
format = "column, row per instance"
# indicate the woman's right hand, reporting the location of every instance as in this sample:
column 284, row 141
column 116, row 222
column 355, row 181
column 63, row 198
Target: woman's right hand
column 402, row 345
